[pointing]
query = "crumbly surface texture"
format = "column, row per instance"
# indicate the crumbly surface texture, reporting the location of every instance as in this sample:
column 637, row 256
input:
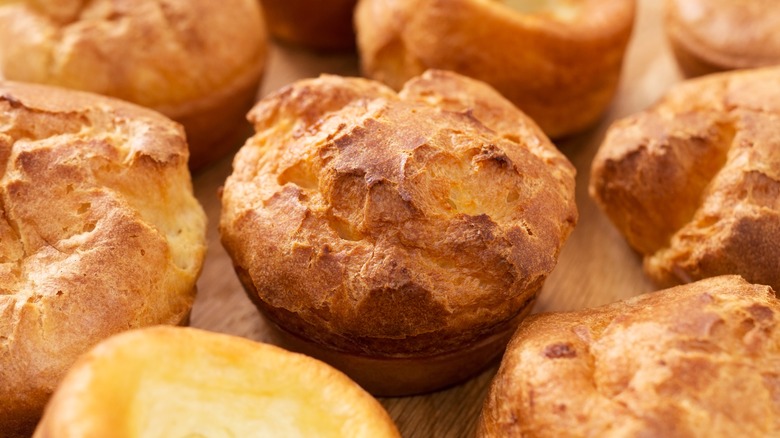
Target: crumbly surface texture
column 694, row 182
column 99, row 232
column 558, row 61
column 178, row 382
column 716, row 35
column 395, row 225
column 694, row 360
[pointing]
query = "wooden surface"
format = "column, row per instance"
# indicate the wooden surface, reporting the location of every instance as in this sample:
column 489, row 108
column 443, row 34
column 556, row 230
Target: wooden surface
column 595, row 267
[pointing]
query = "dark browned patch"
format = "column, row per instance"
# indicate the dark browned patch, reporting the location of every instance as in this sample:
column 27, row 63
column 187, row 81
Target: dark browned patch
column 491, row 152
column 12, row 100
column 761, row 313
column 560, row 350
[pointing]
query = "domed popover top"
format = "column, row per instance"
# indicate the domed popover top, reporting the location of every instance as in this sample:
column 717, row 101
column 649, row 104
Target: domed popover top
column 395, row 225
column 100, row 232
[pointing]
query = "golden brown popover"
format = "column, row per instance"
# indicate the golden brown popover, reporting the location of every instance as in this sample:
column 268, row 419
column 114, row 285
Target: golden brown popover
column 693, row 182
column 198, row 62
column 100, row 232
column 559, row 61
column 316, row 24
column 399, row 236
column 699, row 360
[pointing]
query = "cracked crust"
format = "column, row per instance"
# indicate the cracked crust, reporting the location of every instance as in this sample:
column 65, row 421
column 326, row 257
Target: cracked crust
column 695, row 360
column 399, row 226
column 198, row 62
column 99, row 233
column 558, row 61
column 716, row 35
column 693, row 183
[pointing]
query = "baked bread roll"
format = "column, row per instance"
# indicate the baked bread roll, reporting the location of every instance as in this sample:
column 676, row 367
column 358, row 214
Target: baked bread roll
column 714, row 35
column 558, row 61
column 692, row 361
column 100, row 232
column 182, row 382
column 692, row 183
column 399, row 237
column 198, row 62
column 316, row 24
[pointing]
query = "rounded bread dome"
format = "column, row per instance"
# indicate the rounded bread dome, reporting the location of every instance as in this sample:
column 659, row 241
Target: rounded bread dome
column 692, row 182
column 559, row 61
column 198, row 62
column 708, row 36
column 396, row 226
column 179, row 381
column 100, row 232
column 694, row 360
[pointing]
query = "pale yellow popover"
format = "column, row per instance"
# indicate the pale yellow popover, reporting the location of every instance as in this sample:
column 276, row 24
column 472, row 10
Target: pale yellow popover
column 164, row 382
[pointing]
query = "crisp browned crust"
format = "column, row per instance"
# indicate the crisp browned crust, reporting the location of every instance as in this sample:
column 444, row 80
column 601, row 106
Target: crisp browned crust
column 559, row 63
column 695, row 360
column 395, row 225
column 198, row 62
column 182, row 382
column 100, row 232
column 693, row 182
column 715, row 35
column 316, row 24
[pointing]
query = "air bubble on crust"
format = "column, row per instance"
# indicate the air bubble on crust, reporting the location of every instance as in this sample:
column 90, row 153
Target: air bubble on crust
column 344, row 229
column 301, row 175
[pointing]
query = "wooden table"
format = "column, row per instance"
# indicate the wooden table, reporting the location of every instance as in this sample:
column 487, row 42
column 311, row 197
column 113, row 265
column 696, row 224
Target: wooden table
column 595, row 267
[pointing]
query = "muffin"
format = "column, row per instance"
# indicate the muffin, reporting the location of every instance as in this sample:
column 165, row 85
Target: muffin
column 558, row 61
column 312, row 23
column 177, row 382
column 692, row 182
column 398, row 236
column 100, row 233
column 690, row 361
column 198, row 62
column 708, row 36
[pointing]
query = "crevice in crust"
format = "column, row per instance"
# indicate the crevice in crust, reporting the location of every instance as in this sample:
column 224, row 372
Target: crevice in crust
column 36, row 124
column 727, row 132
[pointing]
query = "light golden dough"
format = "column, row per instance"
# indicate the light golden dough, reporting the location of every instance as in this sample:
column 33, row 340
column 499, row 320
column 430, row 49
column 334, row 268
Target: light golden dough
column 716, row 35
column 166, row 382
column 697, row 360
column 396, row 228
column 100, row 232
column 558, row 60
column 317, row 24
column 693, row 183
column 196, row 61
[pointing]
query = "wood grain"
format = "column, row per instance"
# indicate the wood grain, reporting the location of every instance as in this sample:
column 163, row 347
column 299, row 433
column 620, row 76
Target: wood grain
column 595, row 267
